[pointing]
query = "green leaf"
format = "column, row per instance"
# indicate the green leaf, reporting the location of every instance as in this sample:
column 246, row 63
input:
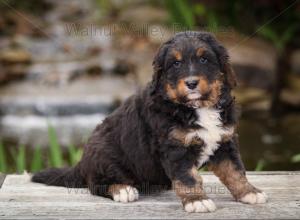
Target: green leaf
column 56, row 156
column 288, row 34
column 260, row 165
column 296, row 158
column 37, row 162
column 212, row 21
column 269, row 34
column 3, row 162
column 200, row 9
column 181, row 12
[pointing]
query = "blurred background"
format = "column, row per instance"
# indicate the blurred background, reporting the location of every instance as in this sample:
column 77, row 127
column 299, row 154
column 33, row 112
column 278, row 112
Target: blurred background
column 66, row 64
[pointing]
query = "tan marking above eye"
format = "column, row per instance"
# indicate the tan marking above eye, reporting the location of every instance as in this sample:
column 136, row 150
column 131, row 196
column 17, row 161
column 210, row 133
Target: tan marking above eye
column 200, row 51
column 177, row 54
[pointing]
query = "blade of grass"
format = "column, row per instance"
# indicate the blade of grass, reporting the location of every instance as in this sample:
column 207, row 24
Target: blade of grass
column 56, row 157
column 74, row 154
column 296, row 158
column 260, row 165
column 20, row 159
column 37, row 163
column 3, row 162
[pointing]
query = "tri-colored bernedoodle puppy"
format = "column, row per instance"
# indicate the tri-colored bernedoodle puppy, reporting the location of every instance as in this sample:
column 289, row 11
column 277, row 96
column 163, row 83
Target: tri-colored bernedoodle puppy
column 184, row 119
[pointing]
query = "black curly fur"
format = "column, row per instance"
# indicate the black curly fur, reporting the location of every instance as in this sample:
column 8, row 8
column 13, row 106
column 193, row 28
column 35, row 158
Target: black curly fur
column 132, row 146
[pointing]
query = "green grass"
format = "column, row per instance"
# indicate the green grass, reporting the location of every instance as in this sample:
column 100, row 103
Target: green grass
column 38, row 158
column 56, row 157
column 295, row 158
column 3, row 161
column 260, row 165
column 37, row 162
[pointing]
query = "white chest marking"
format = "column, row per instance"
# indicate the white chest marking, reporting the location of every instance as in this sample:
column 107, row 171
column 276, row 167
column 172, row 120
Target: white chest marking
column 211, row 132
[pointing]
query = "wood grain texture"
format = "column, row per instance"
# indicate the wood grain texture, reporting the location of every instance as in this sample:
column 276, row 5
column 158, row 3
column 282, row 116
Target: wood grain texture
column 19, row 198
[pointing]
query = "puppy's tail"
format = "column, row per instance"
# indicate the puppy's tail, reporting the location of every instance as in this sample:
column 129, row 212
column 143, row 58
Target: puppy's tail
column 68, row 177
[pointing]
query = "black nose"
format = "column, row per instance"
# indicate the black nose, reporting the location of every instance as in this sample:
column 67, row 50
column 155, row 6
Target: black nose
column 191, row 84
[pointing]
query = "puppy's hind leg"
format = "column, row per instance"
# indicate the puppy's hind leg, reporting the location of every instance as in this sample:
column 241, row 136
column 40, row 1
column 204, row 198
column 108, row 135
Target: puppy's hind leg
column 116, row 184
column 123, row 193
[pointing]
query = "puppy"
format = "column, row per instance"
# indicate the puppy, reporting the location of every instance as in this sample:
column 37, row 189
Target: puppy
column 184, row 119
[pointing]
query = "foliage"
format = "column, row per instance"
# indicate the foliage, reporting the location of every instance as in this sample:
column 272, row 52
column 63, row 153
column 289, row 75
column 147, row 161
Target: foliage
column 260, row 165
column 55, row 150
column 296, row 158
column 181, row 12
column 276, row 21
column 37, row 163
column 3, row 161
column 21, row 158
column 74, row 154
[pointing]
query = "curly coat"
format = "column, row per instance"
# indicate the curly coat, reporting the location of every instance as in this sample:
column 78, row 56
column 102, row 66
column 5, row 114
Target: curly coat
column 144, row 141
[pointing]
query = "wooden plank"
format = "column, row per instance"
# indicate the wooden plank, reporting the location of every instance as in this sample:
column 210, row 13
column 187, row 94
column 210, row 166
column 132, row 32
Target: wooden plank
column 19, row 198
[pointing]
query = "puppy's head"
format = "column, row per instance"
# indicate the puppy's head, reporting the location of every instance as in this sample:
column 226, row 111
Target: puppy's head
column 191, row 69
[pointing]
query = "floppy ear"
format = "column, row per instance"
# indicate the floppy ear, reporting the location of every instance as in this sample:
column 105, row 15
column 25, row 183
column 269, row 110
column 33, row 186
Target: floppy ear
column 226, row 68
column 229, row 74
column 158, row 66
column 223, row 57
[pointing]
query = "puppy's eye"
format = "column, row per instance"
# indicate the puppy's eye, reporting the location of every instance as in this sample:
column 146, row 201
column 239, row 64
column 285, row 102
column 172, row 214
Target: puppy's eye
column 177, row 64
column 203, row 60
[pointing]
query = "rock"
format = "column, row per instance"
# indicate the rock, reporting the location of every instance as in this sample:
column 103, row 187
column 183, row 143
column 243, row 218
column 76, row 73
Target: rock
column 13, row 73
column 249, row 95
column 253, row 59
column 291, row 97
column 293, row 82
column 123, row 67
column 252, row 99
column 254, row 76
column 13, row 56
column 158, row 34
column 141, row 15
column 295, row 62
column 249, row 51
column 73, row 109
column 32, row 130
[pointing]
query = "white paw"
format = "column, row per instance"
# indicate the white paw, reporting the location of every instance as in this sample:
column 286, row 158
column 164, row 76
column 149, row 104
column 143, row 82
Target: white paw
column 127, row 194
column 254, row 198
column 206, row 205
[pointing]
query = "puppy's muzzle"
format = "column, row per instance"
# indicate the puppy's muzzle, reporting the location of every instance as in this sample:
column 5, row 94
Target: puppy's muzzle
column 191, row 83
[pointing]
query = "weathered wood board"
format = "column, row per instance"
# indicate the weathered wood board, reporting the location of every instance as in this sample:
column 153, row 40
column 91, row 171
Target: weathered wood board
column 19, row 198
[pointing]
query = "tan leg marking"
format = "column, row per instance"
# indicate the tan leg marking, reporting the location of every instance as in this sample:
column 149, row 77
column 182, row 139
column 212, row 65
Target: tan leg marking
column 185, row 137
column 193, row 197
column 123, row 193
column 237, row 183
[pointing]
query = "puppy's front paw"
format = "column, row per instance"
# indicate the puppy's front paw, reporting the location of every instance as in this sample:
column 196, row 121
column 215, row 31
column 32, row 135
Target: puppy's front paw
column 205, row 205
column 254, row 198
column 125, row 194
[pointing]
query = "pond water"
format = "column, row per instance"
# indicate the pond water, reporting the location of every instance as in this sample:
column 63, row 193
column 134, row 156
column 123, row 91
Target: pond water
column 272, row 142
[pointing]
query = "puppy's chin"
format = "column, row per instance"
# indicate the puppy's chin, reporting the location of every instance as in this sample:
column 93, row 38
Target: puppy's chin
column 193, row 96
